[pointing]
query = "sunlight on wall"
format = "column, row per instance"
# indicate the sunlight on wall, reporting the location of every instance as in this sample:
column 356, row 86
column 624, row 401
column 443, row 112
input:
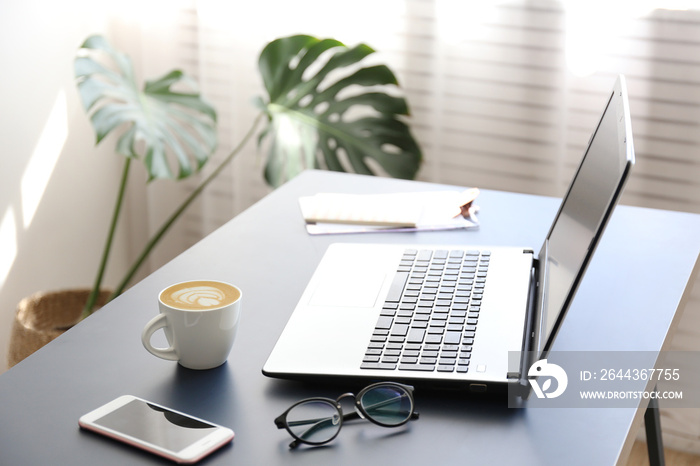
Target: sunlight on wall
column 149, row 13
column 43, row 160
column 591, row 27
column 368, row 21
column 8, row 244
column 459, row 20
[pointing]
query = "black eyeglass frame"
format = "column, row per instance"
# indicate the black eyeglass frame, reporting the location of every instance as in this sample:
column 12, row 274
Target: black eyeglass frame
column 359, row 412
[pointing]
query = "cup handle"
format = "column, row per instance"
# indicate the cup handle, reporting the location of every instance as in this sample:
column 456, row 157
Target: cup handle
column 151, row 327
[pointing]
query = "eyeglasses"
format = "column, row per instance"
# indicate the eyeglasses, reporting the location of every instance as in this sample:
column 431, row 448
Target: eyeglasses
column 316, row 421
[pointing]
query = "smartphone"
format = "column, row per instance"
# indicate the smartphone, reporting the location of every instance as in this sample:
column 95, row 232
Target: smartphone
column 157, row 429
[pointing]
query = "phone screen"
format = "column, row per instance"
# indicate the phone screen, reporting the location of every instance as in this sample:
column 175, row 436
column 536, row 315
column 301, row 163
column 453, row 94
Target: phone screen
column 156, row 425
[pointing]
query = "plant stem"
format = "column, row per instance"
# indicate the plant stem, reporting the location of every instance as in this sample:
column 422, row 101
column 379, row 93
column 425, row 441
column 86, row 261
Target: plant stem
column 169, row 222
column 92, row 298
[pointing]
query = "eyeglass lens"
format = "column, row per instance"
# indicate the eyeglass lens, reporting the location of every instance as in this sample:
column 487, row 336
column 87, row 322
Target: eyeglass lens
column 314, row 422
column 387, row 405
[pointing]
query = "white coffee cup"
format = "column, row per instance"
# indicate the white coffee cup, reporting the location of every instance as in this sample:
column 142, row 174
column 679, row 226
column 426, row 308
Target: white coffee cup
column 200, row 320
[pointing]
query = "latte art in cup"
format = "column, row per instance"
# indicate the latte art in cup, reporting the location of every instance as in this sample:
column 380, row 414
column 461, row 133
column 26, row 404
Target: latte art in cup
column 202, row 296
column 199, row 295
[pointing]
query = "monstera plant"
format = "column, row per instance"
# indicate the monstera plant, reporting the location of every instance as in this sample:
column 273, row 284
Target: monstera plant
column 166, row 123
column 323, row 110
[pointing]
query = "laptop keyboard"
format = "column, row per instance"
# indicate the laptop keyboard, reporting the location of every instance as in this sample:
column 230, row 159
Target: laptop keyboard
column 429, row 318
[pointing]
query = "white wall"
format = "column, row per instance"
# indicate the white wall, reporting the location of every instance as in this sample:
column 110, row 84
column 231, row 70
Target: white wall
column 42, row 124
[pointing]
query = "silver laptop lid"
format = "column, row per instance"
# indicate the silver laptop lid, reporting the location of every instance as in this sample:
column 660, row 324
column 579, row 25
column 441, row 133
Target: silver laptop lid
column 583, row 215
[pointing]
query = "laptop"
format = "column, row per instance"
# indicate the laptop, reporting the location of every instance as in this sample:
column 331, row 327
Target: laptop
column 448, row 315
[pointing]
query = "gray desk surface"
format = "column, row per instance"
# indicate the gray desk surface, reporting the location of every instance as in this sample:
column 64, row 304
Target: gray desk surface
column 267, row 252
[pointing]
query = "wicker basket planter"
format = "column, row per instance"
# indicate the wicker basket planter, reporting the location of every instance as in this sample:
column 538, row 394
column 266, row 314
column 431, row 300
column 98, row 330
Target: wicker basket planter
column 43, row 317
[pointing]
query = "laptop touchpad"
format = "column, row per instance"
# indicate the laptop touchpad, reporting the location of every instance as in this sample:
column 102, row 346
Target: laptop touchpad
column 348, row 289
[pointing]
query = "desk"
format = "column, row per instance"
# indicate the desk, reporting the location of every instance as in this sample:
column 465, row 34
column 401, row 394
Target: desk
column 267, row 252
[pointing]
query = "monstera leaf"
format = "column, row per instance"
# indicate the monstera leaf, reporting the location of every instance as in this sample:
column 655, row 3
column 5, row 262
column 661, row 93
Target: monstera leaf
column 326, row 111
column 172, row 125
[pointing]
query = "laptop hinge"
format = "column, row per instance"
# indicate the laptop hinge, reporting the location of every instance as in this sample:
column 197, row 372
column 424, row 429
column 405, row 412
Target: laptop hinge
column 528, row 336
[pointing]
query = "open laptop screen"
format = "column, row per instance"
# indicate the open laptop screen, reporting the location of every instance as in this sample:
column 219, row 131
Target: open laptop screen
column 585, row 210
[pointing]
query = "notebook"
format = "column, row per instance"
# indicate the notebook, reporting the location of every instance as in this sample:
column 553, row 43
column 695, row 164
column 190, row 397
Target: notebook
column 392, row 210
column 443, row 315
